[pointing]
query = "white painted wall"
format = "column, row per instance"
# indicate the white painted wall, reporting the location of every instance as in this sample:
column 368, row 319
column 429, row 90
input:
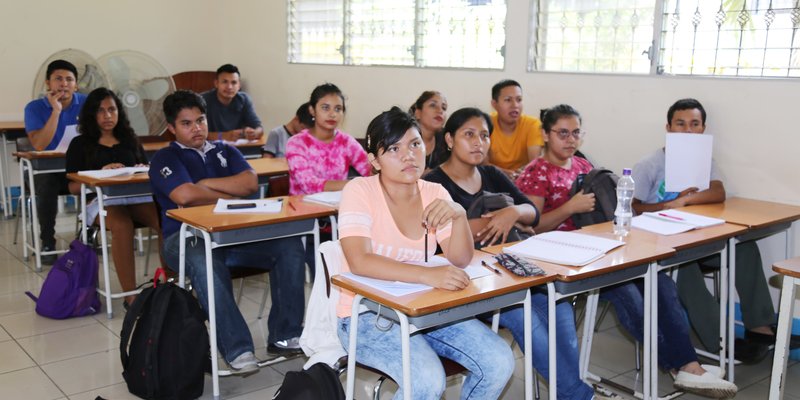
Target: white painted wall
column 754, row 120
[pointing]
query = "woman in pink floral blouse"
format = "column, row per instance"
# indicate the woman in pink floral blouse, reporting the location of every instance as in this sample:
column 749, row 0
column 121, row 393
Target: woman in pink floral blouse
column 320, row 157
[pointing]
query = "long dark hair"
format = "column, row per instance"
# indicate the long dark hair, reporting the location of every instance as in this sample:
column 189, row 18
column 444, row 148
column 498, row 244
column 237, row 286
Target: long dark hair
column 454, row 123
column 388, row 128
column 87, row 124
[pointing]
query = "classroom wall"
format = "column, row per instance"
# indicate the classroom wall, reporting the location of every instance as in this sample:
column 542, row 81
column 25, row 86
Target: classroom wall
column 754, row 120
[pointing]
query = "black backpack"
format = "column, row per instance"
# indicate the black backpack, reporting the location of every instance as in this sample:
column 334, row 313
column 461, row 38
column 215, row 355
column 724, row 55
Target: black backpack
column 603, row 183
column 164, row 344
column 315, row 383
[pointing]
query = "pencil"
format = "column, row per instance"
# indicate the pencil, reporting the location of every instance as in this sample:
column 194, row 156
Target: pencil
column 426, row 242
column 291, row 206
column 491, row 268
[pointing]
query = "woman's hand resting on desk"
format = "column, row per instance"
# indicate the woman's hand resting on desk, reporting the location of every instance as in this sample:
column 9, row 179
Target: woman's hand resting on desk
column 447, row 277
column 500, row 223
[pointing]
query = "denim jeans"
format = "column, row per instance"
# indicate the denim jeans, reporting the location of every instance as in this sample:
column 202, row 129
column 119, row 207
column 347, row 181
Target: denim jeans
column 570, row 385
column 675, row 349
column 470, row 343
column 48, row 187
column 284, row 258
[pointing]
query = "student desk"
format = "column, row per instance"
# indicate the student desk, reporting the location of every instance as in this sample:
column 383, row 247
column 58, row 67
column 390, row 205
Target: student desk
column 249, row 150
column 36, row 163
column 762, row 219
column 139, row 185
column 297, row 217
column 435, row 307
column 790, row 269
column 636, row 259
column 10, row 130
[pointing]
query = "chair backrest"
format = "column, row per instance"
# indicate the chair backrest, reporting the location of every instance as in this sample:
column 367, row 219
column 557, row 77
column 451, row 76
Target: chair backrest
column 196, row 81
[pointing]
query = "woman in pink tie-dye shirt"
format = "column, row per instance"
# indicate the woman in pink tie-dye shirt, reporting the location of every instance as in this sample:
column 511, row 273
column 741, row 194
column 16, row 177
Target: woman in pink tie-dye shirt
column 320, row 157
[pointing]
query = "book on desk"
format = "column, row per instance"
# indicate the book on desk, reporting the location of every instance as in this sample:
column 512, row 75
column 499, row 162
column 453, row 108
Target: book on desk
column 109, row 173
column 566, row 248
column 670, row 222
column 331, row 199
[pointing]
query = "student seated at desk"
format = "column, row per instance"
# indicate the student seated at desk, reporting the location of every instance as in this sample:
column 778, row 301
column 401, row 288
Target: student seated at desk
column 463, row 174
column 547, row 181
column 193, row 171
column 430, row 111
column 278, row 136
column 382, row 226
column 231, row 115
column 758, row 312
column 319, row 158
column 46, row 119
column 516, row 137
column 107, row 141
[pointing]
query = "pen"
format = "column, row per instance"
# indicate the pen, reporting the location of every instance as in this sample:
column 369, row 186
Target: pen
column 491, row 268
column 671, row 216
column 291, row 206
column 426, row 242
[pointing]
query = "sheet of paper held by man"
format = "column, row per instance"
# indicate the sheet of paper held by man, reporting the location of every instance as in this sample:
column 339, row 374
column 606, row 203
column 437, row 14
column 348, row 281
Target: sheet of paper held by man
column 688, row 161
column 70, row 132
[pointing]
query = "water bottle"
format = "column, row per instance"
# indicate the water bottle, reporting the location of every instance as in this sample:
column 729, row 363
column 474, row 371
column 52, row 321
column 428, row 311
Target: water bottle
column 624, row 212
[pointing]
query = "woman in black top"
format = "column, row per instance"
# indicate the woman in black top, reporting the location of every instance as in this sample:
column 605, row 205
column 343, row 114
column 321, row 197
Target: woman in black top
column 107, row 141
column 463, row 174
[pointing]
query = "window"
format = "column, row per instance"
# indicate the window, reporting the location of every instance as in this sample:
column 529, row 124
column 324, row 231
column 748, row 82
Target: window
column 695, row 37
column 420, row 33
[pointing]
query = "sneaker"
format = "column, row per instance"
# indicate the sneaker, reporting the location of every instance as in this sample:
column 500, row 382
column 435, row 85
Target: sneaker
column 708, row 385
column 245, row 364
column 284, row 347
column 750, row 352
column 49, row 259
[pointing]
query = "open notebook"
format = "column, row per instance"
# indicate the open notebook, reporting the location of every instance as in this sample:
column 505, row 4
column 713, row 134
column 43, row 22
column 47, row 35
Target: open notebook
column 108, row 173
column 397, row 288
column 670, row 222
column 331, row 199
column 567, row 248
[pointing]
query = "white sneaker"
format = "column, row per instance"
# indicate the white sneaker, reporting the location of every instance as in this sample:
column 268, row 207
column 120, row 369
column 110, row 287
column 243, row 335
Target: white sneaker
column 285, row 347
column 709, row 384
column 245, row 364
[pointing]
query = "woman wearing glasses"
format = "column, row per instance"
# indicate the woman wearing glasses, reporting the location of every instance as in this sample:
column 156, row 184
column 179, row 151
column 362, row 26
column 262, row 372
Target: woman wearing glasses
column 547, row 182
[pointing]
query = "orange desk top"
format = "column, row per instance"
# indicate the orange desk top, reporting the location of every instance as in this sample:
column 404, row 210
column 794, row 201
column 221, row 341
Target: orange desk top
column 680, row 241
column 439, row 299
column 790, row 267
column 294, row 209
column 751, row 213
column 637, row 250
column 12, row 125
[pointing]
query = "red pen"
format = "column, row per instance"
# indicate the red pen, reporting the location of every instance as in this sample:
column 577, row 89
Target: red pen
column 291, row 206
column 671, row 216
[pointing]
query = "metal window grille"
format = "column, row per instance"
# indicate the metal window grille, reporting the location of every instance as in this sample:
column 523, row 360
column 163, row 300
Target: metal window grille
column 421, row 33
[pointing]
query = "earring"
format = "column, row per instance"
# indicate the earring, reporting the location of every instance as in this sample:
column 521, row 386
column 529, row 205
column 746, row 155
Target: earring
column 449, row 148
column 313, row 119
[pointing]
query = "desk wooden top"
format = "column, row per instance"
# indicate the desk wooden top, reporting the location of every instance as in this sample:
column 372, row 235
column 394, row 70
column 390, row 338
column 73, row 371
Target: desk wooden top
column 679, row 242
column 753, row 214
column 34, row 155
column 294, row 209
column 637, row 250
column 12, row 126
column 262, row 166
column 433, row 300
column 790, row 267
column 160, row 144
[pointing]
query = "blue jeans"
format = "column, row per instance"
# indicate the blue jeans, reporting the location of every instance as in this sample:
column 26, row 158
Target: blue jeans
column 284, row 258
column 570, row 385
column 675, row 349
column 470, row 343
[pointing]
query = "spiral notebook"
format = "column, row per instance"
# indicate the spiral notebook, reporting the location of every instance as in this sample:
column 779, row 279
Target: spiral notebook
column 566, row 248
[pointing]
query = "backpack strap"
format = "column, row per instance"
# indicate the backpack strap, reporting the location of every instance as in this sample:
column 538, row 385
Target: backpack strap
column 161, row 302
column 142, row 301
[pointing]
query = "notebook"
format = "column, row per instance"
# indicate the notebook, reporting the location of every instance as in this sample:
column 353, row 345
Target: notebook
column 108, row 173
column 567, row 248
column 331, row 199
column 396, row 288
column 670, row 222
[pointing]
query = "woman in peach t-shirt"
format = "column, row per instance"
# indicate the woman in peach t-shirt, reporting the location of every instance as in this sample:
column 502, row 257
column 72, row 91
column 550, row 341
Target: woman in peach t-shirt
column 382, row 221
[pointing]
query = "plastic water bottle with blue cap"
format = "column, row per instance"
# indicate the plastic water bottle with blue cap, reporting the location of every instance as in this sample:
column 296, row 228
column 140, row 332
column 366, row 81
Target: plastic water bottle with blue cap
column 624, row 211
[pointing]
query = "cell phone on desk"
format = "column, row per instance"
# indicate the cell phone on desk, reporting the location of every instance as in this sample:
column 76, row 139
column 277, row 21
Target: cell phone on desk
column 241, row 206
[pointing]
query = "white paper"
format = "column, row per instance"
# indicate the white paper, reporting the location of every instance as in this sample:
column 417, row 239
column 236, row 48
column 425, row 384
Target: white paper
column 325, row 198
column 670, row 222
column 397, row 288
column 567, row 248
column 688, row 161
column 70, row 131
column 659, row 226
column 263, row 206
column 108, row 173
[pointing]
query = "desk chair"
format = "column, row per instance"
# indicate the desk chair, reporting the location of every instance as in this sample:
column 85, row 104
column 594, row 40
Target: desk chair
column 325, row 296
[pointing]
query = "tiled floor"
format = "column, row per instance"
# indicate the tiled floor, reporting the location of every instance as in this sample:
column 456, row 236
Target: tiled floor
column 79, row 358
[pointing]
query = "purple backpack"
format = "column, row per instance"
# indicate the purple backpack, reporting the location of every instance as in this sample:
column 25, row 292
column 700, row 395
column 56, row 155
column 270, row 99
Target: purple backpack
column 70, row 289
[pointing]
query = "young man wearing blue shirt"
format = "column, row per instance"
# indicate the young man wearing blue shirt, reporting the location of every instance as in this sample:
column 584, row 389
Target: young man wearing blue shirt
column 231, row 115
column 46, row 120
column 193, row 171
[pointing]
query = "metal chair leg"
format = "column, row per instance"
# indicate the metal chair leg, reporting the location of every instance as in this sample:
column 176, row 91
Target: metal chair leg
column 637, row 352
column 603, row 313
column 264, row 298
column 241, row 290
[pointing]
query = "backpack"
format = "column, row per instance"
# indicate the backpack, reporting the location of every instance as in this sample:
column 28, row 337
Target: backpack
column 317, row 382
column 164, row 344
column 70, row 289
column 603, row 183
column 488, row 201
